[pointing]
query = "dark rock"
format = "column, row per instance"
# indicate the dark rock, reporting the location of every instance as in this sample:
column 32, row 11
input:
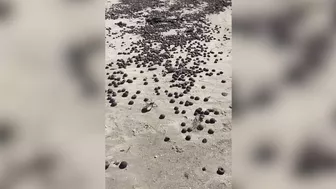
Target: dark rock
column 123, row 165
column 220, row 171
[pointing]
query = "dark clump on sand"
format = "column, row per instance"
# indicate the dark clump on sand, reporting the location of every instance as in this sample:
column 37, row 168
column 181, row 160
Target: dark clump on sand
column 162, row 116
column 166, row 139
column 123, row 165
column 107, row 165
column 220, row 171
column 210, row 131
column 183, row 130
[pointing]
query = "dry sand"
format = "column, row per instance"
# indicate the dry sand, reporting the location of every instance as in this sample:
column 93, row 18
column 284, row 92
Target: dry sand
column 138, row 138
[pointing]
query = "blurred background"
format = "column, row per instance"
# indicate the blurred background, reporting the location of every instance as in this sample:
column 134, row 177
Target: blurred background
column 51, row 105
column 284, row 98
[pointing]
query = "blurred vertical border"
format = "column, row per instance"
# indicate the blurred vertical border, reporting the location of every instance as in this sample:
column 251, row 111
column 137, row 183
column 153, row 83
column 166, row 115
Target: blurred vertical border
column 52, row 104
column 284, row 94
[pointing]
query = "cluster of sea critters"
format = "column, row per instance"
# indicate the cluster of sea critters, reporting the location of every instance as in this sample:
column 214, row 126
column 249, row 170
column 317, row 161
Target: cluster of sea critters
column 182, row 57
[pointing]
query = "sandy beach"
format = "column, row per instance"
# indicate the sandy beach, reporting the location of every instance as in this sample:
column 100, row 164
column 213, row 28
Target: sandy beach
column 168, row 94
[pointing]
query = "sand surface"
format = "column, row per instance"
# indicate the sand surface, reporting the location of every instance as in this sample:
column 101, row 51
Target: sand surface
column 138, row 138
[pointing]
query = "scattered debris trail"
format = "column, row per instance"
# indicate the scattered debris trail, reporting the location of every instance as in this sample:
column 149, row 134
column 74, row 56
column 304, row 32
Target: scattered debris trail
column 168, row 88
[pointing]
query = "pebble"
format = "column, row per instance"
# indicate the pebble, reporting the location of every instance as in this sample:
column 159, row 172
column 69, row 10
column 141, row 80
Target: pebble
column 183, row 130
column 212, row 120
column 125, row 94
column 200, row 127
column 123, row 165
column 113, row 104
column 220, row 171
